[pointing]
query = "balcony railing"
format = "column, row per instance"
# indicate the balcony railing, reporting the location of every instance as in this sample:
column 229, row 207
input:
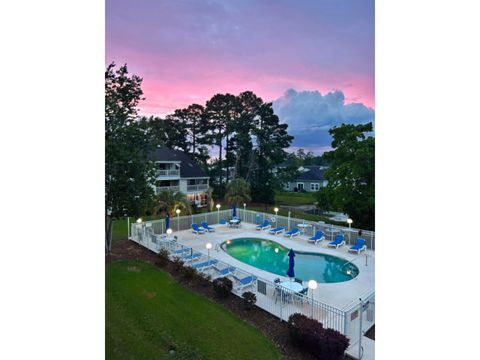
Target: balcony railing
column 172, row 188
column 168, row 173
column 198, row 187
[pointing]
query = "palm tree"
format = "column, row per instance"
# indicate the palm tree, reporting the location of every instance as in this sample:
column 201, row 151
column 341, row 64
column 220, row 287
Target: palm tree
column 167, row 201
column 238, row 191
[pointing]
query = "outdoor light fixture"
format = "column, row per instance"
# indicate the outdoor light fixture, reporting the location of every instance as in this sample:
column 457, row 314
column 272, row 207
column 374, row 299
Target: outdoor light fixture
column 349, row 221
column 208, row 245
column 276, row 250
column 244, row 208
column 139, row 220
column 228, row 242
column 218, row 212
column 169, row 231
column 312, row 284
column 178, row 219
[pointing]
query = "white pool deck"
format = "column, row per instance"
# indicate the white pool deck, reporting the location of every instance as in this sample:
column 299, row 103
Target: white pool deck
column 339, row 295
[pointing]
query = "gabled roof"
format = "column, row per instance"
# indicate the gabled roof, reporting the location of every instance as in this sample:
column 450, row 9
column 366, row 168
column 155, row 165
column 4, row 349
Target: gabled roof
column 314, row 174
column 188, row 167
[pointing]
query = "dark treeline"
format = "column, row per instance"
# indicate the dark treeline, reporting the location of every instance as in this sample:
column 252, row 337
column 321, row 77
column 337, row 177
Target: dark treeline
column 248, row 135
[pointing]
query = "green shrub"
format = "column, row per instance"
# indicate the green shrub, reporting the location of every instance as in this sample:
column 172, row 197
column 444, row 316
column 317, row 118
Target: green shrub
column 188, row 272
column 309, row 334
column 177, row 265
column 222, row 287
column 249, row 300
column 162, row 257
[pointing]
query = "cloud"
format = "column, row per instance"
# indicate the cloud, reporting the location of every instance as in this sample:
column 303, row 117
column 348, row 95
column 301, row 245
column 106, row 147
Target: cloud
column 310, row 115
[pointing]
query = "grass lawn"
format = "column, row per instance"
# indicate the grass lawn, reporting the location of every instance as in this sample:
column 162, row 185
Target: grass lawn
column 294, row 198
column 147, row 314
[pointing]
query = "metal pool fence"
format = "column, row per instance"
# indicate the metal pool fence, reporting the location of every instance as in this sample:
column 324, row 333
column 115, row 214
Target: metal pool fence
column 352, row 321
column 308, row 228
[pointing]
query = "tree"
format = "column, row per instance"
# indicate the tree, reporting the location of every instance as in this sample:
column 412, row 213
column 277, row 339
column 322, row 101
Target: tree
column 238, row 191
column 351, row 177
column 167, row 132
column 217, row 126
column 191, row 121
column 271, row 140
column 129, row 176
column 168, row 201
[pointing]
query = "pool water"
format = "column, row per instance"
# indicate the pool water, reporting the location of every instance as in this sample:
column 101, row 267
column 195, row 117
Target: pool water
column 272, row 257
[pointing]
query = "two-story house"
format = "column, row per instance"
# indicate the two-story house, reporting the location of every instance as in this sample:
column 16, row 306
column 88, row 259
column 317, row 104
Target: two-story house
column 176, row 171
column 311, row 179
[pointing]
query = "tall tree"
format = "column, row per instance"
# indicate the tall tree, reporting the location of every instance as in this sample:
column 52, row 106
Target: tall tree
column 351, row 177
column 217, row 126
column 271, row 139
column 190, row 119
column 167, row 132
column 129, row 175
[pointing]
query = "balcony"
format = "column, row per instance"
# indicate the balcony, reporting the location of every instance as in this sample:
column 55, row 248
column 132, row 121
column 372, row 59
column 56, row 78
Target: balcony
column 198, row 187
column 172, row 188
column 168, row 173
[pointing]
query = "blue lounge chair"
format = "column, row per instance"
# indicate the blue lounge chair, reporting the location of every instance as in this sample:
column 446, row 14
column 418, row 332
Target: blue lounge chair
column 244, row 282
column 339, row 241
column 207, row 227
column 277, row 230
column 224, row 272
column 318, row 237
column 359, row 246
column 197, row 229
column 264, row 226
column 192, row 257
column 205, row 265
column 292, row 233
column 180, row 252
column 222, row 221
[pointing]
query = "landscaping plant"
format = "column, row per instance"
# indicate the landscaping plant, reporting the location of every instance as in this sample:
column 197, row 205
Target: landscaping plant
column 310, row 335
column 222, row 287
column 162, row 257
column 249, row 300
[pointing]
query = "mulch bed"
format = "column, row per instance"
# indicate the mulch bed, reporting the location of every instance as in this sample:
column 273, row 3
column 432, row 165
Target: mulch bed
column 268, row 324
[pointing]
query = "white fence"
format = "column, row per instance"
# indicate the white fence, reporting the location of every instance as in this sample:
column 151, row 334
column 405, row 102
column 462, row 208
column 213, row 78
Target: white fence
column 351, row 321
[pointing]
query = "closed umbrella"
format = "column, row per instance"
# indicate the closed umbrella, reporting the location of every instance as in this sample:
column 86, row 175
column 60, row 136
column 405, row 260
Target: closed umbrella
column 234, row 210
column 291, row 264
column 167, row 223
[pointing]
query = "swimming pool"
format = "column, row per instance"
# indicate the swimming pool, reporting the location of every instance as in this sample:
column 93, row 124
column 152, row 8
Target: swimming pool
column 272, row 257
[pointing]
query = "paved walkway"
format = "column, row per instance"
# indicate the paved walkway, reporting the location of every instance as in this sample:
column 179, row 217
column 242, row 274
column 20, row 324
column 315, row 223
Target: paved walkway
column 368, row 346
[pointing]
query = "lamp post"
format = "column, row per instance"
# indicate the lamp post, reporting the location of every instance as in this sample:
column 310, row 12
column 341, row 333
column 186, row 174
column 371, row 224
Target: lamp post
column 139, row 222
column 208, row 245
column 349, row 221
column 218, row 212
column 244, row 209
column 178, row 219
column 128, row 227
column 312, row 284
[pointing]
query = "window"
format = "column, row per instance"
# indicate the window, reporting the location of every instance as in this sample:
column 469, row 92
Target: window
column 314, row 186
column 300, row 186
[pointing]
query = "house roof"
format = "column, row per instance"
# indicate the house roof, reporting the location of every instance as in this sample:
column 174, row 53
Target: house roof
column 188, row 167
column 315, row 173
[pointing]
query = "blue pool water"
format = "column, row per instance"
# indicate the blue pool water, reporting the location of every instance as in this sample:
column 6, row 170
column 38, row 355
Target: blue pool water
column 272, row 257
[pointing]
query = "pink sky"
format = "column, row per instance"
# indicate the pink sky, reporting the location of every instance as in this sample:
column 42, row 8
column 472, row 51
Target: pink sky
column 187, row 51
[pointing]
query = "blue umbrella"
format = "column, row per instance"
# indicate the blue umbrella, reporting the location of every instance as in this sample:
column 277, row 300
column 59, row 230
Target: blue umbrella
column 167, row 223
column 291, row 264
column 234, row 209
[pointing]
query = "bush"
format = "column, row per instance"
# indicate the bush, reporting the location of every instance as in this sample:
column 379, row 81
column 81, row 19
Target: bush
column 188, row 272
column 162, row 257
column 177, row 265
column 249, row 300
column 309, row 334
column 222, row 287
